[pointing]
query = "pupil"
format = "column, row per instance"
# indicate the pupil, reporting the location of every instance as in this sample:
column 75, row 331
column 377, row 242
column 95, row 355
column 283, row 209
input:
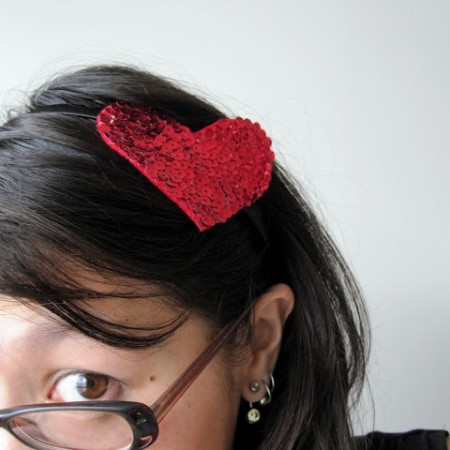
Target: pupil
column 92, row 386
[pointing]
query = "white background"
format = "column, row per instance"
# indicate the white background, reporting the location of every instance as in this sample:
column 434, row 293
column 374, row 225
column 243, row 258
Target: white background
column 355, row 95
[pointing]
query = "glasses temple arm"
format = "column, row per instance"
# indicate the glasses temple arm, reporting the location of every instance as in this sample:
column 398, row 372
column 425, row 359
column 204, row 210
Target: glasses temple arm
column 168, row 399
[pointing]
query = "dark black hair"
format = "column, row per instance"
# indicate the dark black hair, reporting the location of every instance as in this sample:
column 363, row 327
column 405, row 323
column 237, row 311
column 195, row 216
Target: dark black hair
column 67, row 200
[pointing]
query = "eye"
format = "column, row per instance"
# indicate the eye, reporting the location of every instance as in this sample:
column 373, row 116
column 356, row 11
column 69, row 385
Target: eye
column 83, row 386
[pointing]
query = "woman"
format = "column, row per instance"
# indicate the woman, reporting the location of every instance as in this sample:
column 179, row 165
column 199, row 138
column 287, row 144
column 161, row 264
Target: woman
column 154, row 254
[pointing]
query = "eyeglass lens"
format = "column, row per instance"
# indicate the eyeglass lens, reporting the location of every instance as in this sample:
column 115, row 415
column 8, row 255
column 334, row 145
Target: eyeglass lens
column 74, row 430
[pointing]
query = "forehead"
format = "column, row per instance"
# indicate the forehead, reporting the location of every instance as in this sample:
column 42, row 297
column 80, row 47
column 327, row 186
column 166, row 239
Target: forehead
column 23, row 331
column 29, row 327
column 17, row 319
column 124, row 313
column 110, row 297
column 134, row 312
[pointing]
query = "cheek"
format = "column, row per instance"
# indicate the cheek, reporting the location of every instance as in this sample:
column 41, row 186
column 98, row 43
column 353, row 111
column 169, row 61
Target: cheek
column 204, row 418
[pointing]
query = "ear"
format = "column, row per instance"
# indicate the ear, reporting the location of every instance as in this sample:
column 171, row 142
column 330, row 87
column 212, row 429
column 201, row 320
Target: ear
column 271, row 312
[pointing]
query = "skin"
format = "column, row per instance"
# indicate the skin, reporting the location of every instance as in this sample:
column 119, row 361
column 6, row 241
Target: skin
column 38, row 354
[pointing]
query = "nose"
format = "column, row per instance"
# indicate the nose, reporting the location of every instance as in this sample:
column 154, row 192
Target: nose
column 9, row 442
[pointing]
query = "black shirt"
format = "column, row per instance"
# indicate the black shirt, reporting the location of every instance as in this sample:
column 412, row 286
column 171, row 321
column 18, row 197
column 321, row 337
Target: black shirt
column 413, row 440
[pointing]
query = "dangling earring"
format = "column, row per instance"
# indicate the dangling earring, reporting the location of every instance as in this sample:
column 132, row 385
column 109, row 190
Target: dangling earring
column 254, row 415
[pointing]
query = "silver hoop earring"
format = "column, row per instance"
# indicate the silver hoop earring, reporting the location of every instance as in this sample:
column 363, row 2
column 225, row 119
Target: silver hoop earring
column 269, row 389
column 253, row 414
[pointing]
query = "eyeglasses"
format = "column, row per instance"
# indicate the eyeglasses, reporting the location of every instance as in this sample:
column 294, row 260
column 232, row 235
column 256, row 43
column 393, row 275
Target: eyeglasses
column 104, row 425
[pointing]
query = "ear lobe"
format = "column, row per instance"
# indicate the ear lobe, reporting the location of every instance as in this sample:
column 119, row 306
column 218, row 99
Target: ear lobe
column 270, row 315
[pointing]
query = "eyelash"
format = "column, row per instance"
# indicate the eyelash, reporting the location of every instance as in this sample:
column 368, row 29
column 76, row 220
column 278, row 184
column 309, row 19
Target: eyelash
column 71, row 383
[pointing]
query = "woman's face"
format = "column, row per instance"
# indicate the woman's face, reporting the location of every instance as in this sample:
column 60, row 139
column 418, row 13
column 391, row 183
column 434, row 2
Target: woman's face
column 41, row 360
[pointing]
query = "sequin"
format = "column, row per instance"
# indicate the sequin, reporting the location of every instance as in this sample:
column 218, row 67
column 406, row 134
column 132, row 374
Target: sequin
column 210, row 174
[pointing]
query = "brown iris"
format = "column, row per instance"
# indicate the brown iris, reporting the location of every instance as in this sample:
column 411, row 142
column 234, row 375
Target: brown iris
column 92, row 385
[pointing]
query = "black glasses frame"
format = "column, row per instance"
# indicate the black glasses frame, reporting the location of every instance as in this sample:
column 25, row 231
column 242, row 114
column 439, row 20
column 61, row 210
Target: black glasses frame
column 143, row 419
column 139, row 416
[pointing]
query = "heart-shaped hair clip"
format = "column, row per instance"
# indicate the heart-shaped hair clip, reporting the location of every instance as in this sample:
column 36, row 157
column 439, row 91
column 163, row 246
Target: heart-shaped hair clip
column 211, row 174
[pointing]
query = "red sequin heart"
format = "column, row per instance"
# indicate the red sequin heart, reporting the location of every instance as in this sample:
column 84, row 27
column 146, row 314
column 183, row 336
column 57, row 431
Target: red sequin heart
column 210, row 174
